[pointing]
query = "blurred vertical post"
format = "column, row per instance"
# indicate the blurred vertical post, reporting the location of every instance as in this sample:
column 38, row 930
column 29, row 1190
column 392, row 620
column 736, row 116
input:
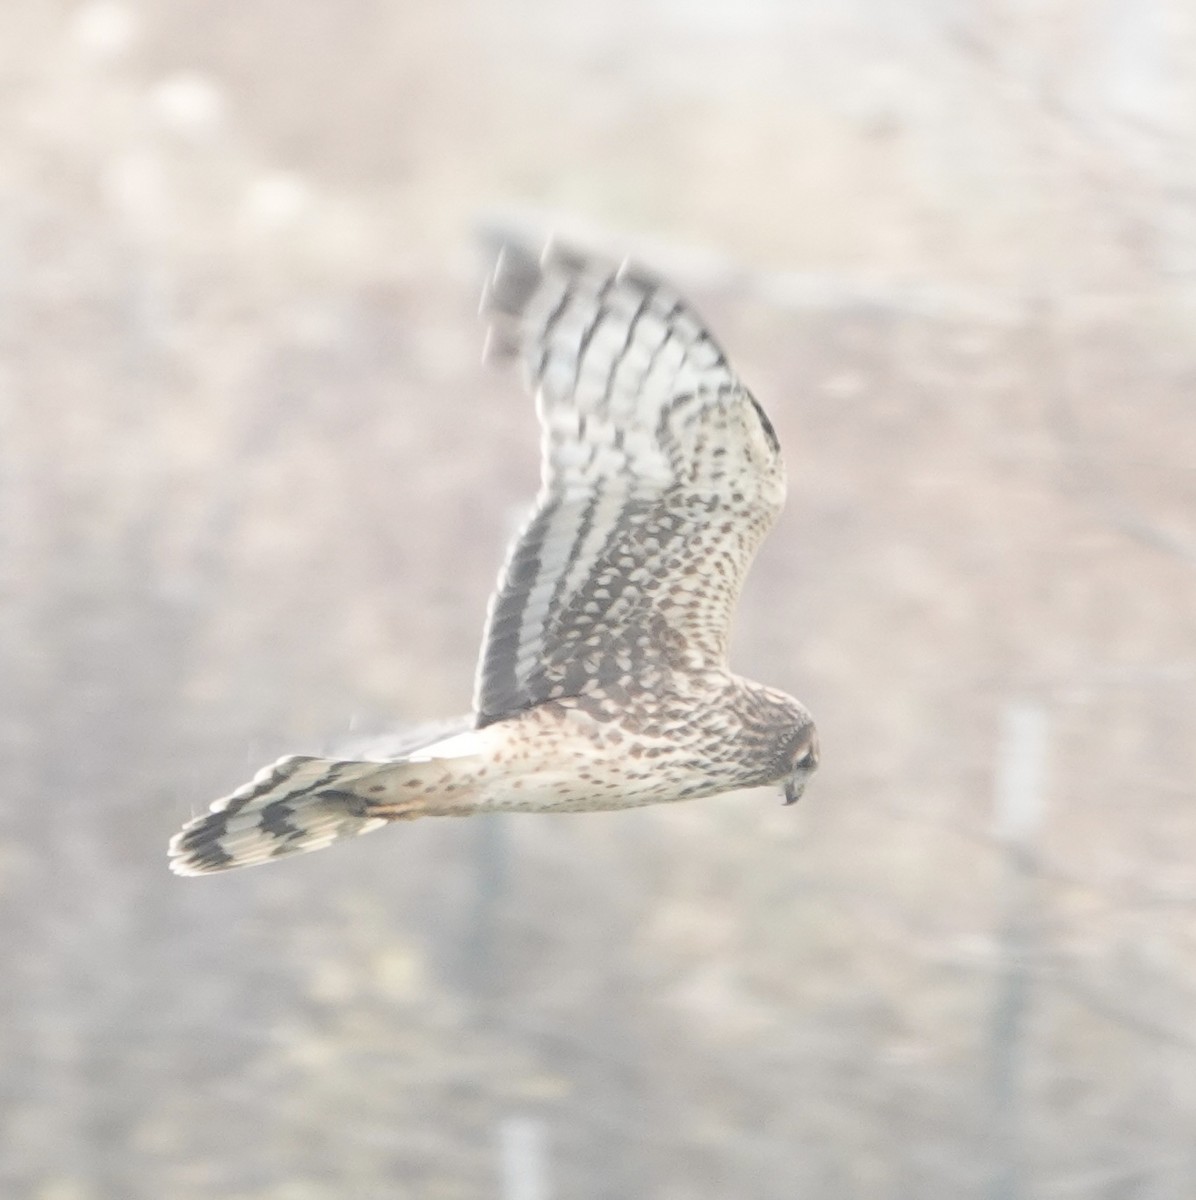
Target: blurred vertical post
column 490, row 852
column 1020, row 787
column 524, row 1159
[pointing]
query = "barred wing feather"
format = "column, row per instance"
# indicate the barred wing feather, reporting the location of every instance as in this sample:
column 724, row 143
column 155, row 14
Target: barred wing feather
column 660, row 477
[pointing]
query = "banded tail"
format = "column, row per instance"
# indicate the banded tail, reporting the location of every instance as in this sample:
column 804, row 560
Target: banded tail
column 301, row 803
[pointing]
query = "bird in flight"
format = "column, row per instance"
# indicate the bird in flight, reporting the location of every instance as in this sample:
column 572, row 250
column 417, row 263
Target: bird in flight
column 603, row 680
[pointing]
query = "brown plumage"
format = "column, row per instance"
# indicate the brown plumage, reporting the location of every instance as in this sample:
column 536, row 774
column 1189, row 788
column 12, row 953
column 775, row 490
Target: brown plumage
column 603, row 681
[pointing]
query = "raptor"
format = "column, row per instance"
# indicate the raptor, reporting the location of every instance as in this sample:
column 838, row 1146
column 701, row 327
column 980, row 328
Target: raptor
column 603, row 681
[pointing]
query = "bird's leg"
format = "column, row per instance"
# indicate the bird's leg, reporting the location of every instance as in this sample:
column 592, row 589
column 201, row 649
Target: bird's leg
column 359, row 806
column 400, row 810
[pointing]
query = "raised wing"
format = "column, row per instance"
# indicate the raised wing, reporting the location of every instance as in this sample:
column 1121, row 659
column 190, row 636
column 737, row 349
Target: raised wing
column 660, row 476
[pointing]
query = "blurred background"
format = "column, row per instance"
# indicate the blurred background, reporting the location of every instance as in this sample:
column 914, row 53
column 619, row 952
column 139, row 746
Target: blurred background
column 255, row 484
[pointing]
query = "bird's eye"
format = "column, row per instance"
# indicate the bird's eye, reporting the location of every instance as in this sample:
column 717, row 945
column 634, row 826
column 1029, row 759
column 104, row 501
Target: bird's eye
column 806, row 761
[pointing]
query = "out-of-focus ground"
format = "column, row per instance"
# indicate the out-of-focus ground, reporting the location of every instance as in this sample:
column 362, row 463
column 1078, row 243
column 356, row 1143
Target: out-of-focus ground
column 254, row 486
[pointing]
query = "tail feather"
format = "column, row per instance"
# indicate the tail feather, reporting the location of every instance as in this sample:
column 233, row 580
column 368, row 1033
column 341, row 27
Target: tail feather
column 296, row 805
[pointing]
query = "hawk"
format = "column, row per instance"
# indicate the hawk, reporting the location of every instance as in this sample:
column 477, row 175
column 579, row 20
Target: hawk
column 603, row 680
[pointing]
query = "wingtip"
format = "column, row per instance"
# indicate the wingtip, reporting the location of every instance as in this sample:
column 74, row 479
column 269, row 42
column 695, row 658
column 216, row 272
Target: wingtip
column 514, row 278
column 513, row 281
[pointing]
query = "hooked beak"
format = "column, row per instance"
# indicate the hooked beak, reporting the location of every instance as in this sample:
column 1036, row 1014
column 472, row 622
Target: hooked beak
column 793, row 791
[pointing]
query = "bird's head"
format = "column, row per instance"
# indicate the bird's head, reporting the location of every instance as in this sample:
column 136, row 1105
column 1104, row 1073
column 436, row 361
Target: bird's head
column 781, row 738
column 803, row 762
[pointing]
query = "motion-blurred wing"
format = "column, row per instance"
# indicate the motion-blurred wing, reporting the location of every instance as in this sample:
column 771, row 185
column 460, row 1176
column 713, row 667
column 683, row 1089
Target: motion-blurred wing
column 660, row 476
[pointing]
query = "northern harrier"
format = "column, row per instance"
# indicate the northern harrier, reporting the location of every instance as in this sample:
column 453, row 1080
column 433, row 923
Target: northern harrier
column 603, row 681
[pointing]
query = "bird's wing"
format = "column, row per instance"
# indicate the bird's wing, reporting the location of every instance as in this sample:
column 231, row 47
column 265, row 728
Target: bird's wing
column 660, row 477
